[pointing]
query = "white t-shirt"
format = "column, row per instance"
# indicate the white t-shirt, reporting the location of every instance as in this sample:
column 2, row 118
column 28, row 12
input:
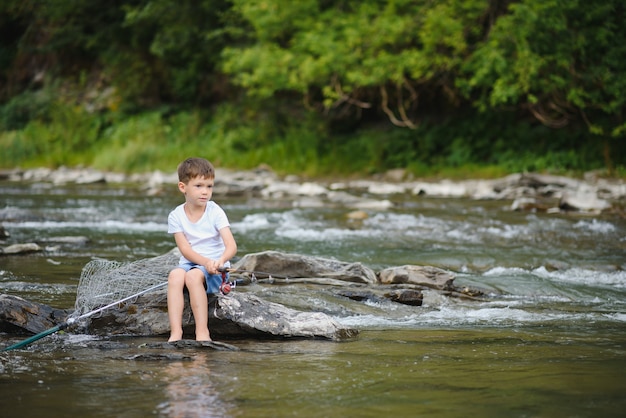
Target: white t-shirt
column 204, row 235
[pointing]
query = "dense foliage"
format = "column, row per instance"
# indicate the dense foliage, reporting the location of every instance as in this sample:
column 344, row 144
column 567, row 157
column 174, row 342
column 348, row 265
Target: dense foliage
column 315, row 86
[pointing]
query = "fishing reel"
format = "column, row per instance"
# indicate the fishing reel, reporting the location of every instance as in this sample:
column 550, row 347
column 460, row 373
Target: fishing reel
column 225, row 288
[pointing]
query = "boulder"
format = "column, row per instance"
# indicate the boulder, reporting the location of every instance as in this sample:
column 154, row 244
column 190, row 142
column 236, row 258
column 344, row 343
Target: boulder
column 362, row 194
column 533, row 204
column 403, row 296
column 280, row 189
column 443, row 188
column 181, row 344
column 237, row 315
column 19, row 315
column 245, row 313
column 421, row 276
column 283, row 266
column 585, row 199
column 406, row 297
column 357, row 215
column 29, row 247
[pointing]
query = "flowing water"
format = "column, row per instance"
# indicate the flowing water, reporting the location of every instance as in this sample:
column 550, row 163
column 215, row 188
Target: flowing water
column 548, row 341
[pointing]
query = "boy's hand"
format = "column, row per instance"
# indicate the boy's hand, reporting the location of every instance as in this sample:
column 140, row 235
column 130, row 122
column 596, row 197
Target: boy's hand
column 212, row 266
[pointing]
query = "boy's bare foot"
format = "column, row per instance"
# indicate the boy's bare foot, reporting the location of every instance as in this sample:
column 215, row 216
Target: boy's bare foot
column 175, row 337
column 203, row 337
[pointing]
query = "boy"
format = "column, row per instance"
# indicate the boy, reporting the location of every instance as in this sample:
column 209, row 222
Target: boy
column 203, row 236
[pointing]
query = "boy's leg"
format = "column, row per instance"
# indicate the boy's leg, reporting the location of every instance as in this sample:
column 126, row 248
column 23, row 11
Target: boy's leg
column 176, row 303
column 194, row 279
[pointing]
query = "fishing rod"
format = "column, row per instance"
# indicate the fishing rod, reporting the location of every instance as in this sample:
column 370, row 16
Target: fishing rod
column 70, row 321
column 253, row 273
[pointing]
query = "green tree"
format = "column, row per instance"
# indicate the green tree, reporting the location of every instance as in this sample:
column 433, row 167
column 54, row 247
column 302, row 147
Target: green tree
column 342, row 74
column 563, row 61
column 392, row 56
column 185, row 39
column 152, row 51
column 560, row 61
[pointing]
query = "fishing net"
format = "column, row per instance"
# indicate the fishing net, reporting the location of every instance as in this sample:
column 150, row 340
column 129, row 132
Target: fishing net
column 103, row 282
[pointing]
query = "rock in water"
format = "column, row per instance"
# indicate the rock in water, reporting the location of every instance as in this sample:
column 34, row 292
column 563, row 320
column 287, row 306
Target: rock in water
column 238, row 315
column 19, row 314
column 244, row 312
column 424, row 276
column 295, row 265
column 181, row 344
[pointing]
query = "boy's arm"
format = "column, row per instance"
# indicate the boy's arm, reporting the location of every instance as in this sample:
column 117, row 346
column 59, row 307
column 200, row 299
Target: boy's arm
column 211, row 265
column 187, row 251
column 229, row 243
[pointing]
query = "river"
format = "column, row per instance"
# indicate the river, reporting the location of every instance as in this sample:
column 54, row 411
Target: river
column 548, row 341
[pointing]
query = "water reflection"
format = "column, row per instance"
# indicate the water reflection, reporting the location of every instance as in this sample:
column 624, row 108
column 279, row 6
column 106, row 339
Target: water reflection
column 190, row 390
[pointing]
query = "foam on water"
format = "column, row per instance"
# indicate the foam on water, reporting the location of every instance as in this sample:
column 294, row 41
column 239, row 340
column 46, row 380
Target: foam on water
column 506, row 271
column 377, row 321
column 302, row 224
column 620, row 317
column 73, row 339
column 451, row 317
column 486, row 314
column 575, row 275
column 293, row 226
column 585, row 277
column 105, row 225
column 595, row 226
column 253, row 222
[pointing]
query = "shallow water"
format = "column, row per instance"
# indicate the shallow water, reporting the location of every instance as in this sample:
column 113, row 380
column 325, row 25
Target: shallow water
column 550, row 340
column 406, row 372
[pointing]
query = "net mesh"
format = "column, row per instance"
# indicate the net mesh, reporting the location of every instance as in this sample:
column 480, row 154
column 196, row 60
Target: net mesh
column 103, row 282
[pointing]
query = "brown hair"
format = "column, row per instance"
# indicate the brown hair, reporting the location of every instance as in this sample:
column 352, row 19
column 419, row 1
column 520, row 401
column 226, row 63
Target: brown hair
column 195, row 167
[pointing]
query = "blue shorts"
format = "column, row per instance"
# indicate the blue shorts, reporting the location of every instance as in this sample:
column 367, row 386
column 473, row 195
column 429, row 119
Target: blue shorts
column 213, row 281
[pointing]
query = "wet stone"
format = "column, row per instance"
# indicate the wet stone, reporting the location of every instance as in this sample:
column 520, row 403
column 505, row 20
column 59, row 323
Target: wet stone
column 182, row 344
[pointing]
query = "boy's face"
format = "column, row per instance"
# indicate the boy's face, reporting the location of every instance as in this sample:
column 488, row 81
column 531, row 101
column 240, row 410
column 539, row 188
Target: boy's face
column 198, row 191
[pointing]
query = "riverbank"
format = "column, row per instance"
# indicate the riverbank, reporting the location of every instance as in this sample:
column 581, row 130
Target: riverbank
column 592, row 195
